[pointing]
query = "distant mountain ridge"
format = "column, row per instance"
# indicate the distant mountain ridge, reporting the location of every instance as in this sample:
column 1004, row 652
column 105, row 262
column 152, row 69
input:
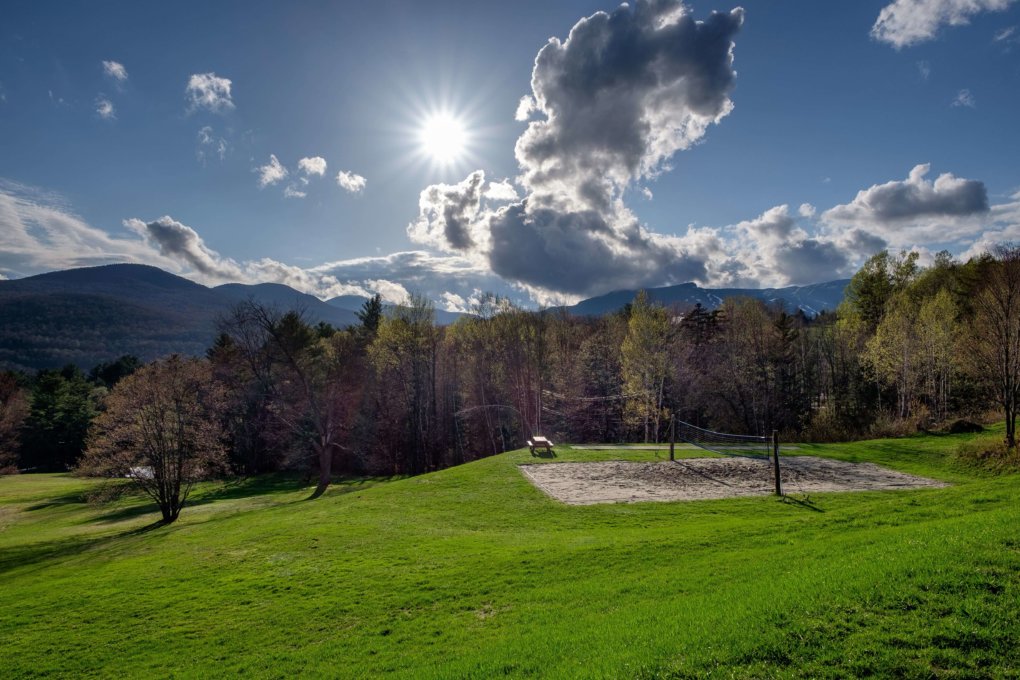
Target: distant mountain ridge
column 813, row 299
column 93, row 314
column 443, row 317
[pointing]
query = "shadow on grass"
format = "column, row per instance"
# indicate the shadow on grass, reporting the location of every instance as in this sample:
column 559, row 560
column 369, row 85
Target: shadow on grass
column 805, row 503
column 36, row 553
column 69, row 498
column 548, row 453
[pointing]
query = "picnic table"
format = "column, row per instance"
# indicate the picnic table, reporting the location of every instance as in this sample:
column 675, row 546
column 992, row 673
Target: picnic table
column 539, row 442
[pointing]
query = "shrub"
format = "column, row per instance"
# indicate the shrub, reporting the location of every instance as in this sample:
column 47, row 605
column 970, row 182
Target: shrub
column 988, row 453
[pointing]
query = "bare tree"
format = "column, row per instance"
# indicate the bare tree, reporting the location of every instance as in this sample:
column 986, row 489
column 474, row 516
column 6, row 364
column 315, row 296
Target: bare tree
column 304, row 374
column 995, row 340
column 161, row 428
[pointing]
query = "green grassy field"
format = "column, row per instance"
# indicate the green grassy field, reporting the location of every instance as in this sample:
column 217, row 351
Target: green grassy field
column 472, row 572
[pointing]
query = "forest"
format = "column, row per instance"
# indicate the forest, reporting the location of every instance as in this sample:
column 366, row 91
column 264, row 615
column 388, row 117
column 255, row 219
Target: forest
column 911, row 348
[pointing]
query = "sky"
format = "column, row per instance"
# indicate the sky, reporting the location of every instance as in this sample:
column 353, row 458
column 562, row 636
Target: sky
column 548, row 151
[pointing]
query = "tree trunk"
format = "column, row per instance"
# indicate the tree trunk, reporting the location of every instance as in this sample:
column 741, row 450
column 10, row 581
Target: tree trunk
column 325, row 452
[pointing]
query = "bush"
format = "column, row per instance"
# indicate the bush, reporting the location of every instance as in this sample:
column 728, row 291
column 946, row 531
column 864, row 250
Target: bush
column 964, row 427
column 988, row 453
column 886, row 427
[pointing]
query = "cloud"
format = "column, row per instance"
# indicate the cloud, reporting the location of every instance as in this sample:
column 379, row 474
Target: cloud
column 39, row 232
column 964, row 98
column 181, row 242
column 908, row 22
column 209, row 143
column 272, row 172
column 501, row 191
column 647, row 193
column 1005, row 33
column 104, row 109
column 452, row 302
column 315, row 165
column 293, row 192
column 622, row 94
column 116, row 71
column 916, row 208
column 210, row 92
column 924, row 68
column 351, row 182
column 448, row 214
column 525, row 108
column 610, row 105
column 806, row 210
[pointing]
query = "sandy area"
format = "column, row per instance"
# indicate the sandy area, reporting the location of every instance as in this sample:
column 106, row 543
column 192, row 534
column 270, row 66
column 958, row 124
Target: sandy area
column 705, row 478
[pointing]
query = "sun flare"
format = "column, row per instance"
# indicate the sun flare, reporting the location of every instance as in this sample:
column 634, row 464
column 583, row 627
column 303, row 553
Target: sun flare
column 443, row 138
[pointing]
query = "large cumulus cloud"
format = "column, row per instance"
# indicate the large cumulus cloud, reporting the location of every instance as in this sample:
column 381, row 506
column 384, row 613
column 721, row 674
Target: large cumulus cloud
column 916, row 208
column 610, row 105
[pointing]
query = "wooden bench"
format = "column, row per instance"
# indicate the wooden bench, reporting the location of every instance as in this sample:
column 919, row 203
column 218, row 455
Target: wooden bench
column 537, row 442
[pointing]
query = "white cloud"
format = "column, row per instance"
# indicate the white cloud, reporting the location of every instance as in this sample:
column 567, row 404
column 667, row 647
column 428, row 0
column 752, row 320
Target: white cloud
column 272, row 172
column 115, row 70
column 525, row 108
column 210, row 92
column 209, row 143
column 903, row 23
column 501, row 191
column 1005, row 33
column 104, row 109
column 293, row 192
column 452, row 302
column 916, row 209
column 351, row 182
column 964, row 98
column 39, row 232
column 647, row 193
column 806, row 210
column 924, row 68
column 315, row 165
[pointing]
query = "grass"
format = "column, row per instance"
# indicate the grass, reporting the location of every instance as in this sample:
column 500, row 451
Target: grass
column 472, row 572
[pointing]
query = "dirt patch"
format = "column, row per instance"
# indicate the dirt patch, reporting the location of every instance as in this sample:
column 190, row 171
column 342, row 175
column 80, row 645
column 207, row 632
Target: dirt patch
column 705, row 478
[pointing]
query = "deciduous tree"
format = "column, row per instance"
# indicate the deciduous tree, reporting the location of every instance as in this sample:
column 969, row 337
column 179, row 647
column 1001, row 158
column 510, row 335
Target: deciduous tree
column 161, row 428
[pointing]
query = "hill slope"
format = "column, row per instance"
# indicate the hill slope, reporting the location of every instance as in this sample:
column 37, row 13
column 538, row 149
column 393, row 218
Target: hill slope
column 472, row 572
column 93, row 314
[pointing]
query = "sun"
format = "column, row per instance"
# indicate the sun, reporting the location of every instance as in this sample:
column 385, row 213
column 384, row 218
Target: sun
column 443, row 138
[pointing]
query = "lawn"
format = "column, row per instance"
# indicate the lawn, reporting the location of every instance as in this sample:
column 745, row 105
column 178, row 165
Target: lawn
column 472, row 572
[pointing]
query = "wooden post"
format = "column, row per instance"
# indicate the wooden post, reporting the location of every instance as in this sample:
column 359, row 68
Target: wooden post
column 672, row 437
column 775, row 462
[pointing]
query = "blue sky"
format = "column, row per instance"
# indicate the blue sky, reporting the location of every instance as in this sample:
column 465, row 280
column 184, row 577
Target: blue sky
column 778, row 144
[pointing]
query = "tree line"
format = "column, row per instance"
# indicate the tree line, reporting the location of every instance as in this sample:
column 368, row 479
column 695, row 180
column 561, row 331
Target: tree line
column 910, row 348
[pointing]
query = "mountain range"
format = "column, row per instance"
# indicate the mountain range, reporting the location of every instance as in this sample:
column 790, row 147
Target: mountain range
column 89, row 315
column 812, row 299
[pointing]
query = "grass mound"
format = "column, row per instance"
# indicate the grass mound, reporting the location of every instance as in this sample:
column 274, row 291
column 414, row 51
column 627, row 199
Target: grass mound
column 472, row 572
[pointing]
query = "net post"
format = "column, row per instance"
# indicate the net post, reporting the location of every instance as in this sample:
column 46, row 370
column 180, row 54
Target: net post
column 672, row 438
column 775, row 462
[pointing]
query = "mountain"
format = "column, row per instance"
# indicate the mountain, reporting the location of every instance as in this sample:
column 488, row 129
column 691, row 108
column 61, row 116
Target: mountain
column 812, row 299
column 353, row 303
column 94, row 314
column 285, row 297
